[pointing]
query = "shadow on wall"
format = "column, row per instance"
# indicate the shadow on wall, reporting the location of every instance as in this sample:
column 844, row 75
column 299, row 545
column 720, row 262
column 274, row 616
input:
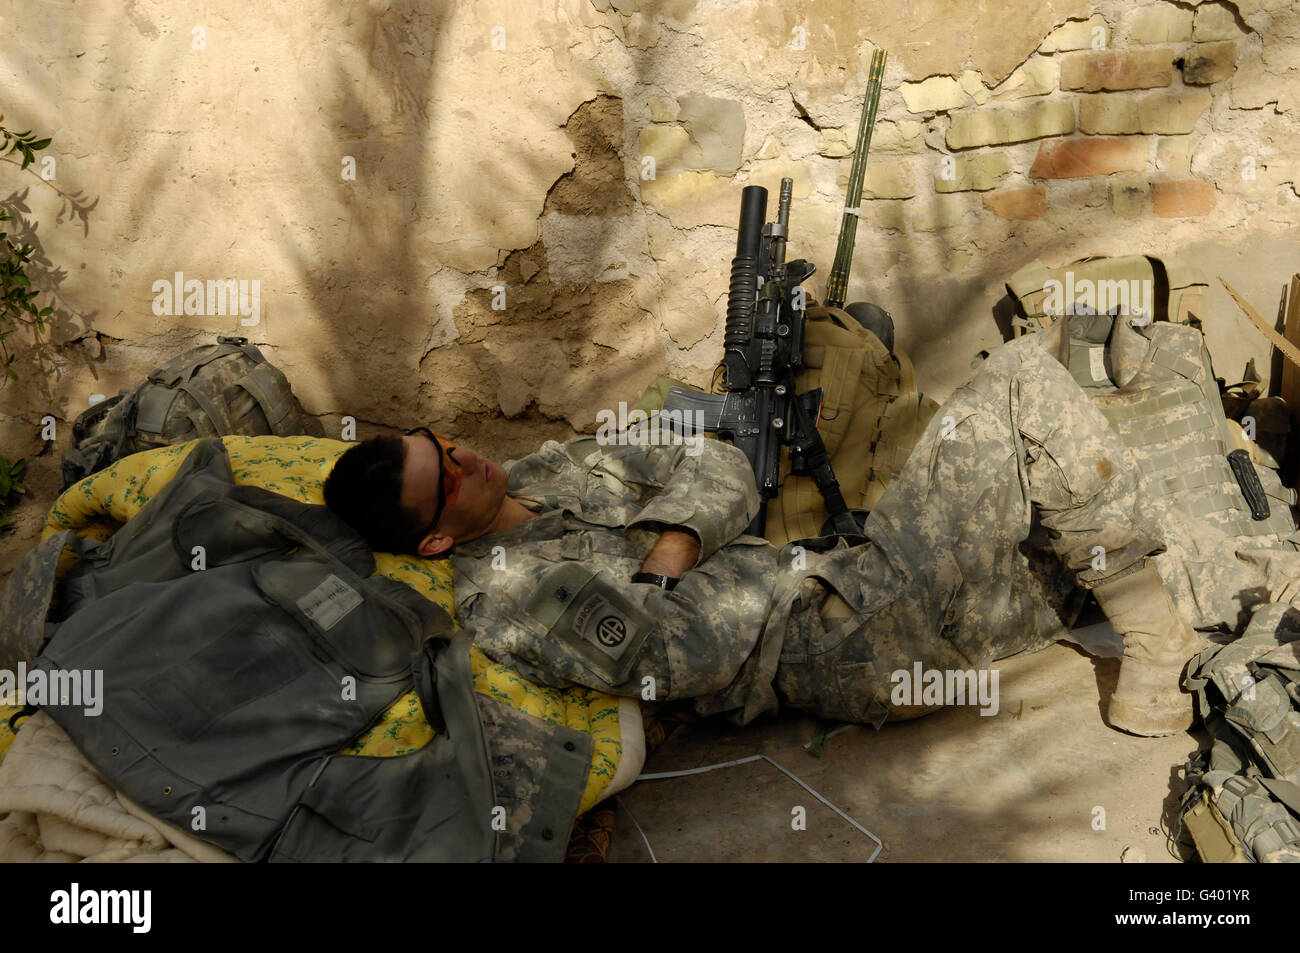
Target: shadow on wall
column 395, row 119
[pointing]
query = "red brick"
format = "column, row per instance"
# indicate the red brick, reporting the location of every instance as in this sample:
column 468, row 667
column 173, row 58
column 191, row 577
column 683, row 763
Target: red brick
column 1134, row 69
column 1021, row 204
column 1185, row 198
column 1076, row 158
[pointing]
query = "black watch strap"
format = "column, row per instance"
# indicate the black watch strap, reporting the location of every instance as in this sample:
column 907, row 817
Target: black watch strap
column 654, row 578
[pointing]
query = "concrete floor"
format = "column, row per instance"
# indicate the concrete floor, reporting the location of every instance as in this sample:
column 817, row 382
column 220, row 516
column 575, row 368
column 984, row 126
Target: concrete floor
column 1024, row 784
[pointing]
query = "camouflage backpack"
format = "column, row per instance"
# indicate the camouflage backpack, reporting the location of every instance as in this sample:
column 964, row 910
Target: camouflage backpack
column 211, row 390
column 1242, row 802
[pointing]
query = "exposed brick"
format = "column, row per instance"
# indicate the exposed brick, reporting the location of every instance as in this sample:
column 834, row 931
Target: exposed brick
column 1107, row 114
column 1215, row 21
column 1172, row 114
column 940, row 211
column 984, row 127
column 1020, row 204
column 1167, row 114
column 1133, row 69
column 884, row 214
column 885, row 180
column 1078, row 35
column 973, row 84
column 1129, row 197
column 1209, row 63
column 1037, row 77
column 1160, row 23
column 893, row 138
column 1075, row 158
column 976, row 173
column 887, row 138
column 1175, row 155
column 1185, row 198
column 936, row 94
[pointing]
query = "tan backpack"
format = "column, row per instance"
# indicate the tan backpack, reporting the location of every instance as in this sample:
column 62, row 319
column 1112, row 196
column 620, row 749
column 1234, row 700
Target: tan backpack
column 1178, row 291
column 871, row 417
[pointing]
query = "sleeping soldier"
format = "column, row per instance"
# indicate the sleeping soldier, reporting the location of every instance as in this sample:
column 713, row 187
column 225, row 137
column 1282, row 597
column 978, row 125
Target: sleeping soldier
column 627, row 568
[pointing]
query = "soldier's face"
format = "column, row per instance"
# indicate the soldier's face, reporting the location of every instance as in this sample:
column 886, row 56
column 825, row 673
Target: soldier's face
column 470, row 487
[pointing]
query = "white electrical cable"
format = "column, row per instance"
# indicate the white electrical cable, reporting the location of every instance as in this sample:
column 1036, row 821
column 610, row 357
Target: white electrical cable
column 661, row 775
column 653, row 858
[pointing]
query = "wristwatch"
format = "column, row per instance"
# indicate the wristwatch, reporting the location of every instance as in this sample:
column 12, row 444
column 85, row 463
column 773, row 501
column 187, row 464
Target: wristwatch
column 655, row 579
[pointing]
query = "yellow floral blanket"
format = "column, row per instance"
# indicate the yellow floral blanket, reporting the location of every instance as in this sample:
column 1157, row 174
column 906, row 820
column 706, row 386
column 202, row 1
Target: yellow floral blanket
column 296, row 467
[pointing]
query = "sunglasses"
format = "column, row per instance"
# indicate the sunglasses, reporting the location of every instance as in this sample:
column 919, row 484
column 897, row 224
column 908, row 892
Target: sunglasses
column 449, row 485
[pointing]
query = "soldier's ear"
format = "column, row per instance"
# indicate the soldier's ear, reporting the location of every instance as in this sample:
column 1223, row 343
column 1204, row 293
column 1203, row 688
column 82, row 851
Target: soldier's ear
column 434, row 545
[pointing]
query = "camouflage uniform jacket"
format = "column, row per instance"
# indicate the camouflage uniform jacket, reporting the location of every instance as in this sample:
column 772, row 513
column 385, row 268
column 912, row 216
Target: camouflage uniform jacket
column 552, row 597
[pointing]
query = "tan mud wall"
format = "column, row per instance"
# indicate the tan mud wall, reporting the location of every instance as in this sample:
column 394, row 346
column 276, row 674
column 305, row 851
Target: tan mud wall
column 388, row 171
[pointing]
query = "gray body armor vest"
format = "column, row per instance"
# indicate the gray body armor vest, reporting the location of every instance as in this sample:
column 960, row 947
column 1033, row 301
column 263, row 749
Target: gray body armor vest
column 1156, row 387
column 231, row 687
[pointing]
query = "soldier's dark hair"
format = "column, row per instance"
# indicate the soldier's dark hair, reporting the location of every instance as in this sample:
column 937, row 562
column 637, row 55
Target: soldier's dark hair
column 365, row 490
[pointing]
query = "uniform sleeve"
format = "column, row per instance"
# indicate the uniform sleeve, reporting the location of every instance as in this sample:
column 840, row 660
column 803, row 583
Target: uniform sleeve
column 583, row 627
column 710, row 492
column 706, row 486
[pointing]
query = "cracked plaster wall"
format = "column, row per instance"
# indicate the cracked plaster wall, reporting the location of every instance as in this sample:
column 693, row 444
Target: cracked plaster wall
column 500, row 153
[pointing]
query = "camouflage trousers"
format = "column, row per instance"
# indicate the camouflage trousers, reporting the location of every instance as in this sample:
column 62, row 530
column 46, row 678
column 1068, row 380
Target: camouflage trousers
column 1017, row 496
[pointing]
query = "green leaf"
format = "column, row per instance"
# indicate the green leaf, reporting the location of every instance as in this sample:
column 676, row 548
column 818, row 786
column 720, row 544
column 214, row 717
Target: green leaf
column 39, row 144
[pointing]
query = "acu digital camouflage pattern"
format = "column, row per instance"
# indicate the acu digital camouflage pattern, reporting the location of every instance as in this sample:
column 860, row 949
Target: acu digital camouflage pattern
column 1239, row 791
column 27, row 598
column 1017, row 473
column 977, row 545
column 1224, row 570
column 536, row 596
column 208, row 391
column 1156, row 385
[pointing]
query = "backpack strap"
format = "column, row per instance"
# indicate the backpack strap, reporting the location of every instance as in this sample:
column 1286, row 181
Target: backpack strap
column 268, row 389
column 216, row 411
